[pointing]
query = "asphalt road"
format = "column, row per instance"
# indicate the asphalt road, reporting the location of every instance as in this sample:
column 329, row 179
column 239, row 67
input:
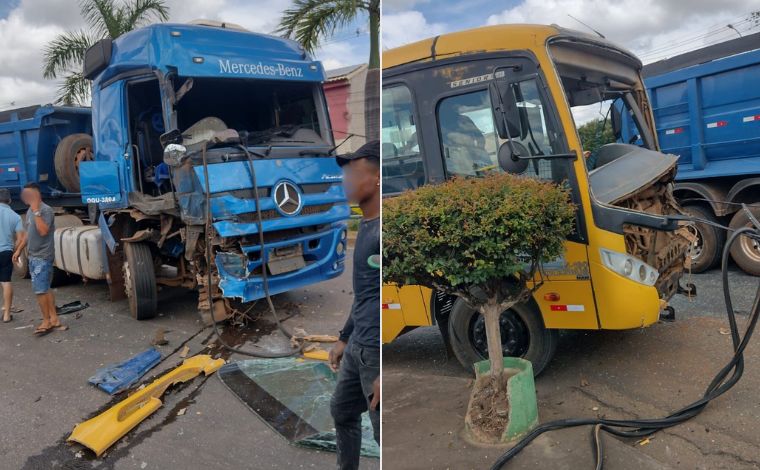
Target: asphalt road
column 45, row 390
column 643, row 373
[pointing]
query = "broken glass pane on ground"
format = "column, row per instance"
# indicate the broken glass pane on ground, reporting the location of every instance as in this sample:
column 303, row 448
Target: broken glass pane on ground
column 292, row 396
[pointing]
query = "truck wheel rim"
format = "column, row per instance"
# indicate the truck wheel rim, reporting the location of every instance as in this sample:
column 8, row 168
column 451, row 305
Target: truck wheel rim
column 696, row 248
column 751, row 248
column 515, row 337
column 83, row 155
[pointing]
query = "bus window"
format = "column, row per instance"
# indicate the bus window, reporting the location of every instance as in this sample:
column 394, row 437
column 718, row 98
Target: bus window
column 401, row 160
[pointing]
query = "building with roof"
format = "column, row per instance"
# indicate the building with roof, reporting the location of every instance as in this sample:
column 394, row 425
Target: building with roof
column 344, row 90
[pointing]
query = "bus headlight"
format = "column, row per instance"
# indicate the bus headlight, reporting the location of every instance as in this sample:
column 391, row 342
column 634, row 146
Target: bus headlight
column 629, row 266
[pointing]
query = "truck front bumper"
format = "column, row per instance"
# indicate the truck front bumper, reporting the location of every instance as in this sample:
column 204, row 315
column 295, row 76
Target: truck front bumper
column 324, row 255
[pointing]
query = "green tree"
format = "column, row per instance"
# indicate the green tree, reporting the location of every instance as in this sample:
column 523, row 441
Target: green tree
column 481, row 240
column 310, row 21
column 64, row 56
column 594, row 134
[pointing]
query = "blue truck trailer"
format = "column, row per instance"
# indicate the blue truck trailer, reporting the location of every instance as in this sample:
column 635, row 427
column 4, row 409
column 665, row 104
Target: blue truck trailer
column 201, row 138
column 706, row 106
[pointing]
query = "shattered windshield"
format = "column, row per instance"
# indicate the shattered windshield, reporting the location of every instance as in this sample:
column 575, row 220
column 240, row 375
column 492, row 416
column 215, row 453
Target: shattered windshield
column 264, row 112
column 604, row 91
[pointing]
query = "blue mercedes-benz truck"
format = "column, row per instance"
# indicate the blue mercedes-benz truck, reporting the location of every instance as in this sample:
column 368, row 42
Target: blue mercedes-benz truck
column 193, row 124
column 706, row 106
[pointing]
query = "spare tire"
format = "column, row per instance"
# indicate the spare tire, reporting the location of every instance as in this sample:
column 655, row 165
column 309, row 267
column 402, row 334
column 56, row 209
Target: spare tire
column 70, row 152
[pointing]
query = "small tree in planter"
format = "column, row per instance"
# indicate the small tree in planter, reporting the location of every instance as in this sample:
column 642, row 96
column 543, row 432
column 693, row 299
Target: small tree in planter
column 478, row 239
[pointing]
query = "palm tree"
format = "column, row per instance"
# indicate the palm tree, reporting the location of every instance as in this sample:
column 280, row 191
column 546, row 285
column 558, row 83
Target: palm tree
column 309, row 21
column 107, row 19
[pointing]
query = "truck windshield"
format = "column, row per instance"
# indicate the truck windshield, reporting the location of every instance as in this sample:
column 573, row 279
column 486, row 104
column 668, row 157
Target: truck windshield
column 267, row 112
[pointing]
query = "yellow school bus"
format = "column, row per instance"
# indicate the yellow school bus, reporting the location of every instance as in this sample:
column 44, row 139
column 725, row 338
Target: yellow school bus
column 503, row 98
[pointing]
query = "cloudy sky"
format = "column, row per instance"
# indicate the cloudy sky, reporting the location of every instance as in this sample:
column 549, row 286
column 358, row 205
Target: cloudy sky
column 653, row 29
column 27, row 25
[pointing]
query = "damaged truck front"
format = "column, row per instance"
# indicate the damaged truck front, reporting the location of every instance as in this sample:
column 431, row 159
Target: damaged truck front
column 205, row 138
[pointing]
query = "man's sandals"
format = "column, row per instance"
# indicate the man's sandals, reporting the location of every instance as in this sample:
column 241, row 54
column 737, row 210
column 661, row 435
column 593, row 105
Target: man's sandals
column 39, row 331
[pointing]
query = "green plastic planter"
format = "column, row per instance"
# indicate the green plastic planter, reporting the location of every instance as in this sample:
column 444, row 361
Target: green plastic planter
column 521, row 390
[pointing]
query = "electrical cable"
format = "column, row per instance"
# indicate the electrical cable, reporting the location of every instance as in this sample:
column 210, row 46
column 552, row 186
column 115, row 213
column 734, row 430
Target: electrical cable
column 718, row 386
column 264, row 353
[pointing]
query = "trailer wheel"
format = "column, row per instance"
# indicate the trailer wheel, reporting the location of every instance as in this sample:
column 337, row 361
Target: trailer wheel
column 522, row 334
column 708, row 247
column 70, row 152
column 140, row 280
column 746, row 251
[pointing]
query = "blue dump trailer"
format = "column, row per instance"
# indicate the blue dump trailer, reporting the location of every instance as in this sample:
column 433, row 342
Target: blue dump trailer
column 45, row 144
column 205, row 137
column 706, row 106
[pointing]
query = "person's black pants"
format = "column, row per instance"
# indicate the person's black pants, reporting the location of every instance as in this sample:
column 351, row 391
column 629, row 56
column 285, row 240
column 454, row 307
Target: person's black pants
column 359, row 368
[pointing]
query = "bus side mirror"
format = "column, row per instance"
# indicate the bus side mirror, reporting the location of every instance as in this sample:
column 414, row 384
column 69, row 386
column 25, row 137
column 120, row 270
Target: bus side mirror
column 616, row 120
column 510, row 161
column 506, row 112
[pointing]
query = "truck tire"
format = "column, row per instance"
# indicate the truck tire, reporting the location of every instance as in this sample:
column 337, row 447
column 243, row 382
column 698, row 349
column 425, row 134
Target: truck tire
column 70, row 152
column 522, row 333
column 140, row 280
column 708, row 248
column 745, row 251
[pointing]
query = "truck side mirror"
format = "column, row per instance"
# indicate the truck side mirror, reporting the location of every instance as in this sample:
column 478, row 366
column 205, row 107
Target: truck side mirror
column 616, row 120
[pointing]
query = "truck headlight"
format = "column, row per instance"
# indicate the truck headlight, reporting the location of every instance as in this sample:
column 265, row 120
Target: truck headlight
column 629, row 266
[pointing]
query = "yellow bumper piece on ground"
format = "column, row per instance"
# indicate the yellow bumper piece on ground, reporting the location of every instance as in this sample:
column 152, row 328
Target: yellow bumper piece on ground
column 102, row 431
column 318, row 354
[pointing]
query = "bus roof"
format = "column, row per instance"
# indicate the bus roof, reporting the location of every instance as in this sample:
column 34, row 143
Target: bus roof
column 489, row 39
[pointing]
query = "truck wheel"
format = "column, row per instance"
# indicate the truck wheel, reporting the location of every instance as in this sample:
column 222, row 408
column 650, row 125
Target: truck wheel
column 140, row 280
column 708, row 247
column 522, row 334
column 745, row 251
column 70, row 152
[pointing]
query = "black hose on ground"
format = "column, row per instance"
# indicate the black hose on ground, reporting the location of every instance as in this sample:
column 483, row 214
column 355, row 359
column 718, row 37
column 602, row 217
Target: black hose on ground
column 262, row 352
column 637, row 428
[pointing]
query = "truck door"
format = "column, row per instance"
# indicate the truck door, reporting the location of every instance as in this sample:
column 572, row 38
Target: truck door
column 439, row 122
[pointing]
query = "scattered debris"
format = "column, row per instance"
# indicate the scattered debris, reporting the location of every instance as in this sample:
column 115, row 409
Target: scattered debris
column 102, row 431
column 318, row 354
column 645, row 441
column 584, row 382
column 159, row 339
column 23, row 327
column 117, row 377
column 71, row 307
column 724, row 331
column 185, row 351
column 595, row 408
column 181, row 411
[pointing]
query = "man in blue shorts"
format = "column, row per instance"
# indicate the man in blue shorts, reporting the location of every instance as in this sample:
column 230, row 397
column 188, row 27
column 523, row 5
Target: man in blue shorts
column 40, row 227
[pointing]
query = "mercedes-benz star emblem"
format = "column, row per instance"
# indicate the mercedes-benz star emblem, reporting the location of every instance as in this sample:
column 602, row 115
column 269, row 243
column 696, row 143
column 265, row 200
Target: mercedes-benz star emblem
column 287, row 197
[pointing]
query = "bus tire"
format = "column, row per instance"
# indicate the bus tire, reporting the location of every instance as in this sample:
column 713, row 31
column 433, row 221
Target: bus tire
column 522, row 332
column 745, row 251
column 708, row 248
column 140, row 280
column 70, row 152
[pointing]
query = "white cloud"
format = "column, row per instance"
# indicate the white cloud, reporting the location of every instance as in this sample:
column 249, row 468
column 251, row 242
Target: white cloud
column 654, row 26
column 34, row 23
column 408, row 26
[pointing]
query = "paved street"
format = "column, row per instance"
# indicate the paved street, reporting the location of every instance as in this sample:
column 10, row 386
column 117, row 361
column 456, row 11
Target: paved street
column 639, row 373
column 45, row 390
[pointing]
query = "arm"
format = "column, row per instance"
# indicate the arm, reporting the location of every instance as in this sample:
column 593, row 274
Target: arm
column 42, row 222
column 20, row 240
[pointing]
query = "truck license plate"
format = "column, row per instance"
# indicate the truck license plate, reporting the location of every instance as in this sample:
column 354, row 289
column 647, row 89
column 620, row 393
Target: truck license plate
column 286, row 259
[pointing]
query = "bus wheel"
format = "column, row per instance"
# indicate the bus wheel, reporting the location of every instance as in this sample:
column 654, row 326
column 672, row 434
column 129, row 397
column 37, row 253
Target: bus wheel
column 746, row 251
column 707, row 249
column 522, row 335
column 140, row 280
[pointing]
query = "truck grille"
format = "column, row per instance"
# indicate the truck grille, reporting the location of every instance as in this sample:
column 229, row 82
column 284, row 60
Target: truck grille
column 251, row 217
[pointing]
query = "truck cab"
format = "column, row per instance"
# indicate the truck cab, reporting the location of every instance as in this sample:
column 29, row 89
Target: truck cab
column 246, row 120
column 501, row 98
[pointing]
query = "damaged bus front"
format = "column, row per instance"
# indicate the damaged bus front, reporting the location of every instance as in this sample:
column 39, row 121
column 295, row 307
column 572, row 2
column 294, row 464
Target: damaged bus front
column 205, row 136
column 509, row 98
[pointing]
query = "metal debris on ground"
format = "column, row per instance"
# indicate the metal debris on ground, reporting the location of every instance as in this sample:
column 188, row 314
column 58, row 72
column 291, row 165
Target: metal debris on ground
column 185, row 351
column 117, row 377
column 71, row 307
